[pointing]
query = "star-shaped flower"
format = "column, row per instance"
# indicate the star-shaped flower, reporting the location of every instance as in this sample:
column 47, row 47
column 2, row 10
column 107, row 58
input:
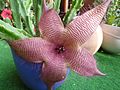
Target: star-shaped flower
column 6, row 13
column 59, row 46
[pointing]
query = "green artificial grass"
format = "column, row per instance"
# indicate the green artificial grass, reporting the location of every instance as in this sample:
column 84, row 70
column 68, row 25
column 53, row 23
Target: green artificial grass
column 107, row 63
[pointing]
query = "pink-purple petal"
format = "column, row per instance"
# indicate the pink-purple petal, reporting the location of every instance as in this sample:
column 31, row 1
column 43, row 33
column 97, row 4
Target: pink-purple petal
column 53, row 71
column 32, row 49
column 51, row 26
column 82, row 62
column 45, row 8
column 81, row 28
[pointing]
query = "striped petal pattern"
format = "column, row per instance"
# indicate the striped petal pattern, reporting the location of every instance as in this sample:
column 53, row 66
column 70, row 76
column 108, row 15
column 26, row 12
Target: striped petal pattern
column 35, row 49
column 51, row 26
column 81, row 28
column 82, row 62
column 53, row 71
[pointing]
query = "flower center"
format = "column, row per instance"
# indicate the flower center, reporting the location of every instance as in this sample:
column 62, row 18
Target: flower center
column 60, row 49
column 7, row 14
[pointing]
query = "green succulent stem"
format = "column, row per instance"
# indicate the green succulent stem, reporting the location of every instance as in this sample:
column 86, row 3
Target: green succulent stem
column 56, row 5
column 76, row 5
column 38, row 12
column 8, row 32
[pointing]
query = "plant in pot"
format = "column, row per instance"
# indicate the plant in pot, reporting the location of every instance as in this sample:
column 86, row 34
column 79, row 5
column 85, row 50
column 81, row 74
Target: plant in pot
column 111, row 28
column 44, row 49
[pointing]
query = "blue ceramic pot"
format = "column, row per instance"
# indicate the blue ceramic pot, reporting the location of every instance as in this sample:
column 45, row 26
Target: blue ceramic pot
column 30, row 74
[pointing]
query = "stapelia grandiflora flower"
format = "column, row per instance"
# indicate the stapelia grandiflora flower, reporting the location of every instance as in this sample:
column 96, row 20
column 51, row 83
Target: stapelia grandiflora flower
column 59, row 46
column 6, row 13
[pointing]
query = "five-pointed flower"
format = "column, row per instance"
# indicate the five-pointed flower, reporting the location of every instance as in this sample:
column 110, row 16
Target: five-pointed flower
column 6, row 13
column 59, row 46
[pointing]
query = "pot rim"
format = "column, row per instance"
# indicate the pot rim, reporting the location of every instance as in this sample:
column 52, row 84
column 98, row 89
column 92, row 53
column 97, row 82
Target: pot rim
column 117, row 30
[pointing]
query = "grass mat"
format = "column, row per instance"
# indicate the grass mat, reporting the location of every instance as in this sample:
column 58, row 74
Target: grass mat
column 107, row 63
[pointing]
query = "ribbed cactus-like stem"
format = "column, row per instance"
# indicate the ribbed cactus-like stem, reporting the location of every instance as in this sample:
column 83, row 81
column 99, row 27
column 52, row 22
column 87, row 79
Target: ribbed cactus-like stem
column 8, row 32
column 76, row 5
